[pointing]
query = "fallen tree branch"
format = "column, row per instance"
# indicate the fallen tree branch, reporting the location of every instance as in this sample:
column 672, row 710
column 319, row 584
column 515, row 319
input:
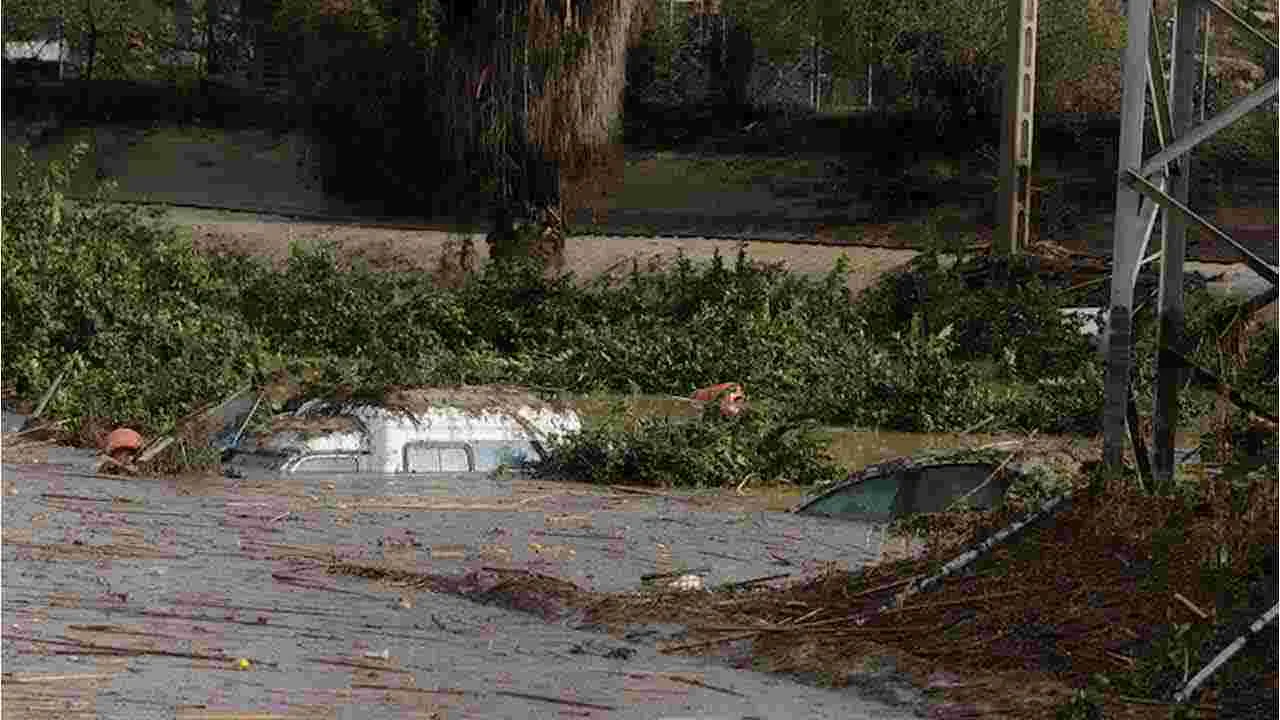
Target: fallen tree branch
column 38, row 428
column 663, row 576
column 339, row 662
column 423, row 691
column 92, row 648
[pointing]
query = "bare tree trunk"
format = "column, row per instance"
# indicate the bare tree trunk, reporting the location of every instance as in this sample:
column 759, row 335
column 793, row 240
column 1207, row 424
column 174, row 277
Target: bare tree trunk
column 212, row 61
column 92, row 52
column 88, row 102
column 406, row 13
column 182, row 20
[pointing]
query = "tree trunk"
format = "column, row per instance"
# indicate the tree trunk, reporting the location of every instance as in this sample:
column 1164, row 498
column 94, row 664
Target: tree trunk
column 182, row 20
column 540, row 237
column 213, row 61
column 91, row 54
column 407, row 12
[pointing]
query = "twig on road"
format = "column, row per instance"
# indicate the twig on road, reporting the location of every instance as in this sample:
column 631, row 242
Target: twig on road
column 32, row 679
column 550, row 699
column 38, row 428
column 92, row 648
column 424, row 691
column 735, row 558
column 699, row 683
column 632, row 490
column 949, row 603
column 357, row 664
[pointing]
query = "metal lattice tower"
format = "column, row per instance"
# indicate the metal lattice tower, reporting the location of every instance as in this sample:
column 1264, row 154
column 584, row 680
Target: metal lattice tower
column 1154, row 182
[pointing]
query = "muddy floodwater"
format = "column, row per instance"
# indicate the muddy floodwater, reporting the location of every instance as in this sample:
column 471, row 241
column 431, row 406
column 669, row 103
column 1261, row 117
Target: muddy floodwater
column 211, row 598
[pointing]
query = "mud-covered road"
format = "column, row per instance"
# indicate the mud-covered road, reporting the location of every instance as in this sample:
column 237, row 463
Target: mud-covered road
column 131, row 598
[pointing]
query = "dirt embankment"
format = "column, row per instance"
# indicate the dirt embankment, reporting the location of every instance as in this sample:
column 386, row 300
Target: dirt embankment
column 587, row 256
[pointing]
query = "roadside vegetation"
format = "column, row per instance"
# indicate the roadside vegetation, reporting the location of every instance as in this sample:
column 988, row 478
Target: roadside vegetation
column 148, row 330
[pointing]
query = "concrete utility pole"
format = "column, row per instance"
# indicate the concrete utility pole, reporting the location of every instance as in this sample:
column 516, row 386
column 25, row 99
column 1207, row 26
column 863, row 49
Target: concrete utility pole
column 1138, row 197
column 1017, row 128
column 815, row 80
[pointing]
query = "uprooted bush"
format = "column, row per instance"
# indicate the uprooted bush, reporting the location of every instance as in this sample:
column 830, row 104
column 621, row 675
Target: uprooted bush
column 1014, row 323
column 758, row 445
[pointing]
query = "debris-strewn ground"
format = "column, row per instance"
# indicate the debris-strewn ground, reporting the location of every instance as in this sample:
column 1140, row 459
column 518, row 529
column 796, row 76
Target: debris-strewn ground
column 1118, row 585
column 139, row 597
column 1095, row 591
column 1097, row 594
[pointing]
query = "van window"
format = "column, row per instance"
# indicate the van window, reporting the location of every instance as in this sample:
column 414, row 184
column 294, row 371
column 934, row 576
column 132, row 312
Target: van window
column 428, row 457
column 327, row 464
column 489, row 456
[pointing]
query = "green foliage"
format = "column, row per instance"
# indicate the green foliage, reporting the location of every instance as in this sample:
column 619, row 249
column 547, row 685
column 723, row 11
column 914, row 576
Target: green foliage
column 1255, row 373
column 1083, row 705
column 921, row 351
column 915, row 383
column 116, row 39
column 759, row 445
column 1249, row 145
column 167, row 333
column 177, row 328
column 1017, row 325
column 1067, row 404
column 1073, row 37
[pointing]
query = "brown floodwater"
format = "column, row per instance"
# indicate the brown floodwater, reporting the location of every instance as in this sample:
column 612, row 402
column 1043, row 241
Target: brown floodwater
column 852, row 448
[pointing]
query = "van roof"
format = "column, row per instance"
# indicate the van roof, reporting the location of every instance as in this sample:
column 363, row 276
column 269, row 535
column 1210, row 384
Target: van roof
column 321, row 416
column 469, row 398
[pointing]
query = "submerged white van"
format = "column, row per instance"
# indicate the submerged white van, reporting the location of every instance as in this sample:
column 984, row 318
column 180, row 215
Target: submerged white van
column 417, row 431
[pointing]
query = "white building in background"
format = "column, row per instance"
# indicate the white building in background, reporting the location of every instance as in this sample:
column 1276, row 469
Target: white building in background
column 48, row 55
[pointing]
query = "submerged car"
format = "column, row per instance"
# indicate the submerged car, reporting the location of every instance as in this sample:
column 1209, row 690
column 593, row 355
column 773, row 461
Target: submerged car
column 907, row 486
column 418, row 431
